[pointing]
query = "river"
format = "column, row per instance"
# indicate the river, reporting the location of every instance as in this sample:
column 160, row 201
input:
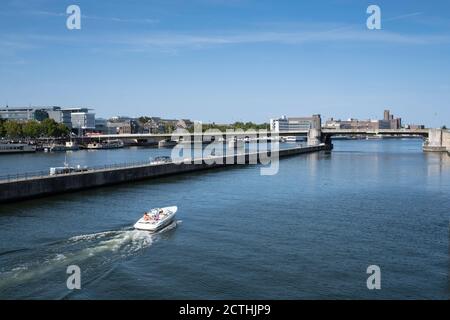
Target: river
column 308, row 232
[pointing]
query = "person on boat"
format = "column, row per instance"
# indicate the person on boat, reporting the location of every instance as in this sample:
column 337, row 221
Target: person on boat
column 146, row 217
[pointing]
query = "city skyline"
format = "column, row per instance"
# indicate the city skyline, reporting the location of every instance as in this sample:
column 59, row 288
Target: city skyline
column 218, row 61
column 56, row 113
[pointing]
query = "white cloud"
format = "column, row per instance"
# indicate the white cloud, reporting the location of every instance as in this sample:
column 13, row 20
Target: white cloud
column 174, row 42
column 345, row 34
column 100, row 18
column 404, row 16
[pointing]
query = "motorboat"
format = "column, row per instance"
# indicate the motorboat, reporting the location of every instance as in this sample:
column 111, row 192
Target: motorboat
column 156, row 219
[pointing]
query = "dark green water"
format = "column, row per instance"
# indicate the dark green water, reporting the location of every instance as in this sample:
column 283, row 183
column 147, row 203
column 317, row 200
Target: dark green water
column 310, row 231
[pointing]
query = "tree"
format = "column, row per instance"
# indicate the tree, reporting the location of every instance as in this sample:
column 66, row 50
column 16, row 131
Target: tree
column 13, row 129
column 2, row 128
column 144, row 119
column 62, row 130
column 49, row 128
column 32, row 129
column 168, row 128
column 444, row 127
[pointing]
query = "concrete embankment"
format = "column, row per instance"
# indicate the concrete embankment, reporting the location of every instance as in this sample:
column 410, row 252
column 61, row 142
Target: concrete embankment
column 50, row 185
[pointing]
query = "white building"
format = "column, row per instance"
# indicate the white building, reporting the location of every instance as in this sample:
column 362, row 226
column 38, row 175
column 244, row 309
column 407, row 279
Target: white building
column 295, row 123
column 17, row 114
column 83, row 120
column 60, row 115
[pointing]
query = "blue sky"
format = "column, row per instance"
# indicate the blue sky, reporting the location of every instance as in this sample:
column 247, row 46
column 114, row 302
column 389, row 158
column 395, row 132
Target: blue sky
column 229, row 60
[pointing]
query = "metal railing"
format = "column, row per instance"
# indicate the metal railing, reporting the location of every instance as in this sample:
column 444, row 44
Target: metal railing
column 44, row 174
column 23, row 176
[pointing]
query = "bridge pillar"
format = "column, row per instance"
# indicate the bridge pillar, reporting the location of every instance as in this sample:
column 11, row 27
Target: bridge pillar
column 446, row 140
column 326, row 138
column 314, row 137
column 438, row 141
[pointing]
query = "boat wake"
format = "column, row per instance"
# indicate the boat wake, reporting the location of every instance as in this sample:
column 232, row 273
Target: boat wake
column 94, row 253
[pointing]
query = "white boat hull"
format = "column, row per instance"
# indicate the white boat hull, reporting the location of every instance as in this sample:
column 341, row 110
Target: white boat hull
column 154, row 225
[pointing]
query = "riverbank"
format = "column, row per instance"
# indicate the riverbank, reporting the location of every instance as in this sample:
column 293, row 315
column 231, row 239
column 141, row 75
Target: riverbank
column 33, row 187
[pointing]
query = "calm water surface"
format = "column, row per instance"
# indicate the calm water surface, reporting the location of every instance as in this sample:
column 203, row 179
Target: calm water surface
column 310, row 231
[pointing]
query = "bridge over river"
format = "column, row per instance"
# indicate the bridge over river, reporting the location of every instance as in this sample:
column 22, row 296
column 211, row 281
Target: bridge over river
column 436, row 139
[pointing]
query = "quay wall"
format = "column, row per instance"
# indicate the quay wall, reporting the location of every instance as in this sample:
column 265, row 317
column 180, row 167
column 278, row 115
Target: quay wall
column 11, row 191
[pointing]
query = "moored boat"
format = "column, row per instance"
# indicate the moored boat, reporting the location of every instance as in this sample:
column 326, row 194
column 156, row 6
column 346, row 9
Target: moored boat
column 6, row 148
column 72, row 146
column 161, row 160
column 110, row 144
column 167, row 143
column 67, row 169
column 293, row 139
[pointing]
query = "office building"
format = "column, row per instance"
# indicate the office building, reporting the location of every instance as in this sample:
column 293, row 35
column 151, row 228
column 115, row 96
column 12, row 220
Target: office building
column 82, row 120
column 295, row 123
column 60, row 115
column 23, row 114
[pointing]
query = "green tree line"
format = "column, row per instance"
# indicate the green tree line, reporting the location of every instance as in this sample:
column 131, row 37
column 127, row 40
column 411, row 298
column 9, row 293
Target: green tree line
column 169, row 128
column 32, row 129
column 234, row 126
